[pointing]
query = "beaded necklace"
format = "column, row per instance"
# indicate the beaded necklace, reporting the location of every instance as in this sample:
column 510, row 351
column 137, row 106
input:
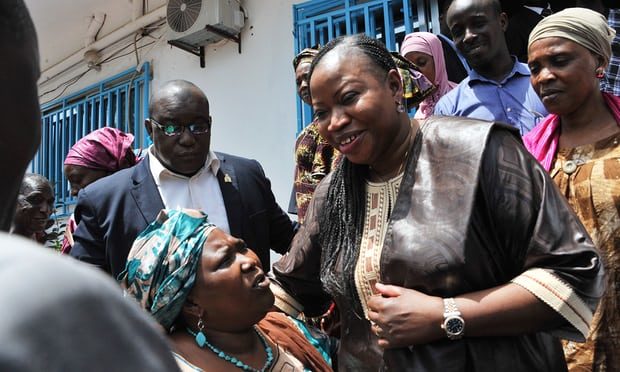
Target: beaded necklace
column 201, row 340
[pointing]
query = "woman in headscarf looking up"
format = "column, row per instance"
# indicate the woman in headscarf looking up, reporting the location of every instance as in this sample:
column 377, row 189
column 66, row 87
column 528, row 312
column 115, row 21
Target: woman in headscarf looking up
column 578, row 143
column 425, row 51
column 208, row 291
column 98, row 154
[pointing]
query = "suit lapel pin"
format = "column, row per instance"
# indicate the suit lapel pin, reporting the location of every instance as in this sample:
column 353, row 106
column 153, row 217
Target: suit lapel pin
column 227, row 178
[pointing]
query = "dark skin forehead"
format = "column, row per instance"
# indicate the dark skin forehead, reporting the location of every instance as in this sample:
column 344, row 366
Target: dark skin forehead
column 349, row 54
column 34, row 183
column 176, row 94
column 472, row 7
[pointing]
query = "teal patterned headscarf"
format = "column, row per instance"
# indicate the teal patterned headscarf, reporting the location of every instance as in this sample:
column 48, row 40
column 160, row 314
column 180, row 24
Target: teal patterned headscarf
column 162, row 263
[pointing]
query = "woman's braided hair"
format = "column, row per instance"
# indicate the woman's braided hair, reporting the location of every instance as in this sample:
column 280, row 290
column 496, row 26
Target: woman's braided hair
column 373, row 48
column 342, row 218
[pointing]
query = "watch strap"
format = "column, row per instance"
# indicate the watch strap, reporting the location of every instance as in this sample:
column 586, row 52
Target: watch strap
column 449, row 307
column 451, row 314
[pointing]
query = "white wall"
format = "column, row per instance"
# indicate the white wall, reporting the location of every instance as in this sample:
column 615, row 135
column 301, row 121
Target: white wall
column 252, row 94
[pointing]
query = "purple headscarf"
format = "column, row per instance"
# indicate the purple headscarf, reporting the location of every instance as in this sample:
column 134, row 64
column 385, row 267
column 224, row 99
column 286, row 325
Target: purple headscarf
column 428, row 43
column 106, row 149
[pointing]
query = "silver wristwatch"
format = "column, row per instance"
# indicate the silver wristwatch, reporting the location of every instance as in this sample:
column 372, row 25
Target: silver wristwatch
column 453, row 323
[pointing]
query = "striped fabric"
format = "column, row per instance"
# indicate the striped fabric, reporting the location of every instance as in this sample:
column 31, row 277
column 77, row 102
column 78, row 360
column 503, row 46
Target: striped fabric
column 380, row 199
column 558, row 295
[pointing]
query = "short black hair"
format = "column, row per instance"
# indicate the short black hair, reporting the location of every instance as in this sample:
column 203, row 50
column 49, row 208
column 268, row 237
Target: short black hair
column 496, row 5
column 443, row 5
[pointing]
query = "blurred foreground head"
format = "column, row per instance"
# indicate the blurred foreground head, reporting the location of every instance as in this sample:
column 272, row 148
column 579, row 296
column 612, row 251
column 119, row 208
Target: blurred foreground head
column 59, row 314
column 20, row 130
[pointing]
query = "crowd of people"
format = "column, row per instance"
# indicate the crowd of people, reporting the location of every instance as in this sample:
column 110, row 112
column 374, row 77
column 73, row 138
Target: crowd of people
column 458, row 210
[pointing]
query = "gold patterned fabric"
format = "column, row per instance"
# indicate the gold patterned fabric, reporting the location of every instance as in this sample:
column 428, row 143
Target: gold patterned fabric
column 589, row 177
column 314, row 159
column 380, row 198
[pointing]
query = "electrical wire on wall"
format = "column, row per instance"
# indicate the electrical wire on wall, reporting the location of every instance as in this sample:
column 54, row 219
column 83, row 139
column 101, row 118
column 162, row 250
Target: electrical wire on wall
column 139, row 65
column 131, row 48
column 66, row 85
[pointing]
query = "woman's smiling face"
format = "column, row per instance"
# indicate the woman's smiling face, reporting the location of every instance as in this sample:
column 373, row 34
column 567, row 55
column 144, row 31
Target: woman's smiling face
column 355, row 103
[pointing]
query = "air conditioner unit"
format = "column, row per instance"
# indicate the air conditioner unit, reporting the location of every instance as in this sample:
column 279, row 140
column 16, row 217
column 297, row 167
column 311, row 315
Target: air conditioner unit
column 201, row 22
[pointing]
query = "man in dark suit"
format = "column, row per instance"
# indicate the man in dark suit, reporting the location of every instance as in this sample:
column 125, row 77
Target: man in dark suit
column 179, row 171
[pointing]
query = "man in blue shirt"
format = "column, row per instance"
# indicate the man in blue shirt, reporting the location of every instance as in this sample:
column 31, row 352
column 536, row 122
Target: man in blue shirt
column 498, row 86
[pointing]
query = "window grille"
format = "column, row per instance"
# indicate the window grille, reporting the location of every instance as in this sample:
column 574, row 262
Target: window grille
column 119, row 102
column 319, row 21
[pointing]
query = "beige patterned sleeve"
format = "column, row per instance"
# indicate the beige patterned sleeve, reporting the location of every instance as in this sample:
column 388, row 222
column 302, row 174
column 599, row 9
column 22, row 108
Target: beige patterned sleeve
column 559, row 296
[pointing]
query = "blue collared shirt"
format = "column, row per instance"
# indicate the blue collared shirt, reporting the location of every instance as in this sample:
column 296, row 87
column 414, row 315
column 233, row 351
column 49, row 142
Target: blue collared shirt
column 512, row 101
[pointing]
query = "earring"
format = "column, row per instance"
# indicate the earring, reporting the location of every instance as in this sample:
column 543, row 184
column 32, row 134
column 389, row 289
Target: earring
column 201, row 339
column 600, row 73
column 400, row 108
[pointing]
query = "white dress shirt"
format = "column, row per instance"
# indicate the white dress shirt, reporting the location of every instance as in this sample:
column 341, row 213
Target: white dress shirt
column 538, row 10
column 200, row 191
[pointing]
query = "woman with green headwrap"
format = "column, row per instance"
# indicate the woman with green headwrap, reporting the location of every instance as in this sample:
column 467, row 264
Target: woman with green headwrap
column 208, row 290
column 578, row 144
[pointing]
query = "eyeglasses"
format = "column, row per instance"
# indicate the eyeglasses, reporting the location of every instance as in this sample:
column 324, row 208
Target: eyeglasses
column 172, row 130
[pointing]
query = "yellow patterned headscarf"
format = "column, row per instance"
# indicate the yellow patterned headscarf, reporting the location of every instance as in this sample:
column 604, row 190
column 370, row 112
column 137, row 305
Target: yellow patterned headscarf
column 305, row 56
column 416, row 87
column 580, row 25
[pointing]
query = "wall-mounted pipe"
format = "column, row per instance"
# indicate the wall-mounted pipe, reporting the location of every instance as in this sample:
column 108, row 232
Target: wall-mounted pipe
column 121, row 33
column 137, row 9
column 95, row 25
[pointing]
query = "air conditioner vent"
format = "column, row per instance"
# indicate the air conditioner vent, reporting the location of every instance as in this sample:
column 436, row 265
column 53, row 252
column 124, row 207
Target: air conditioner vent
column 182, row 14
column 197, row 23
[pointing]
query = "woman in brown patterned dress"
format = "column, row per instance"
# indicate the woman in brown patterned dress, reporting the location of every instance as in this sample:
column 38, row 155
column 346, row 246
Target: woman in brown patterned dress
column 578, row 145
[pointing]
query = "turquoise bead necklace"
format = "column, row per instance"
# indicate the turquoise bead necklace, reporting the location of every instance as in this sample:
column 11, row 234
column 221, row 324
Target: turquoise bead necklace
column 201, row 340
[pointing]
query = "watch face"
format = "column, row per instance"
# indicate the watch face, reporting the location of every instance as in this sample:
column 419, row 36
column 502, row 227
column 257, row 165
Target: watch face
column 454, row 326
